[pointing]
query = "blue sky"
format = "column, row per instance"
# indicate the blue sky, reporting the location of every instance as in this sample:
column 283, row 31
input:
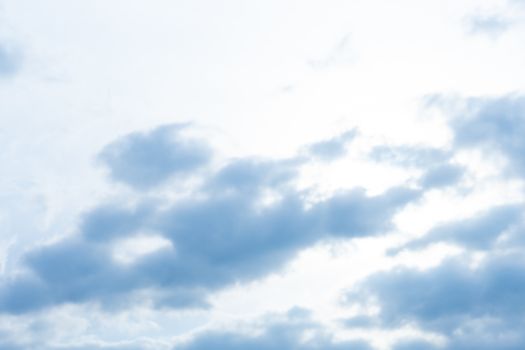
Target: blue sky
column 268, row 175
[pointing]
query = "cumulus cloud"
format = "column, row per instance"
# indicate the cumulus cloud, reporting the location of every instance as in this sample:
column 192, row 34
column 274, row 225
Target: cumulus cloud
column 493, row 124
column 252, row 174
column 282, row 334
column 475, row 307
column 224, row 234
column 333, row 148
column 442, row 175
column 178, row 229
column 219, row 236
column 473, row 303
column 293, row 330
column 436, row 165
column 479, row 232
column 144, row 160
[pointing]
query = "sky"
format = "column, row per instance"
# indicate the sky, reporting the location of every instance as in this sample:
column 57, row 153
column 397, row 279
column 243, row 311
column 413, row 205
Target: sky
column 262, row 175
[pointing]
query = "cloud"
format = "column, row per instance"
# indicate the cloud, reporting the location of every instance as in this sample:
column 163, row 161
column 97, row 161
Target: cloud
column 475, row 307
column 16, row 340
column 409, row 156
column 493, row 25
column 479, row 232
column 442, row 175
column 145, row 160
column 438, row 170
column 294, row 329
column 493, row 124
column 414, row 344
column 109, row 222
column 88, row 346
column 333, row 148
column 252, row 174
column 5, row 345
column 473, row 303
column 220, row 235
column 276, row 335
column 9, row 61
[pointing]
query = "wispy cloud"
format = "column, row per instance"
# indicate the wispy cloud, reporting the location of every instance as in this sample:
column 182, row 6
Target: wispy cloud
column 333, row 148
column 290, row 332
column 479, row 232
column 492, row 25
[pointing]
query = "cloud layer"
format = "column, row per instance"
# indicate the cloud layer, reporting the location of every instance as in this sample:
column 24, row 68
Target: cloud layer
column 122, row 228
column 220, row 235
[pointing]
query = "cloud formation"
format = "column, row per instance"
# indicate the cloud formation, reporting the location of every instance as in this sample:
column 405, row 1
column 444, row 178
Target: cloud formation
column 472, row 300
column 295, row 329
column 409, row 156
column 493, row 124
column 333, row 148
column 183, row 249
column 479, row 232
column 276, row 335
column 475, row 307
column 145, row 160
column 222, row 234
column 493, row 25
column 12, row 345
column 436, row 165
column 225, row 233
column 9, row 61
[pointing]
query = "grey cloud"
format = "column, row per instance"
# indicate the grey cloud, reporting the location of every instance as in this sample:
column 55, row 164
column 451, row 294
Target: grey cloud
column 360, row 321
column 90, row 346
column 109, row 222
column 145, row 160
column 475, row 307
column 333, row 148
column 442, row 175
column 494, row 124
column 16, row 340
column 253, row 174
column 436, row 163
column 11, row 346
column 478, row 232
column 22, row 295
column 220, row 236
column 414, row 344
column 277, row 335
column 10, row 61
